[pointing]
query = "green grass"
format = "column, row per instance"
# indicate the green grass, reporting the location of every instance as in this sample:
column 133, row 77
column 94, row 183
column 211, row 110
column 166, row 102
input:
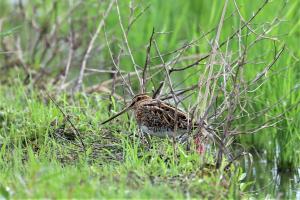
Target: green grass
column 36, row 163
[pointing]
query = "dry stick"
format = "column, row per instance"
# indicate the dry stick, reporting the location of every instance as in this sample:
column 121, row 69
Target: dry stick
column 230, row 103
column 225, row 79
column 43, row 31
column 177, row 57
column 181, row 92
column 167, row 74
column 224, row 42
column 211, row 66
column 190, row 65
column 269, row 123
column 183, row 81
column 260, row 37
column 131, row 21
column 263, row 73
column 63, row 138
column 248, row 26
column 231, row 100
column 65, row 17
column 53, row 38
column 90, row 47
column 222, row 108
column 234, row 159
column 43, row 70
column 259, row 76
column 248, row 22
column 147, row 61
column 127, row 44
column 66, row 71
column 194, row 41
column 102, row 71
column 264, row 111
column 116, row 65
column 240, row 64
column 231, row 106
column 105, row 83
column 20, row 56
column 70, row 56
column 174, row 97
column 114, row 77
column 38, row 29
column 158, row 90
column 173, row 62
column 35, row 45
column 215, row 78
column 68, row 119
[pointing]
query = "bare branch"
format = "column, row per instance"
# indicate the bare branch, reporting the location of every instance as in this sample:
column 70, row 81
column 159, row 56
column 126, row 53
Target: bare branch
column 127, row 44
column 90, row 47
column 147, row 62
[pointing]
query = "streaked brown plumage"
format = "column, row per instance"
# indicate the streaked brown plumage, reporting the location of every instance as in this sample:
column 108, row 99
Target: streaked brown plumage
column 158, row 118
column 155, row 117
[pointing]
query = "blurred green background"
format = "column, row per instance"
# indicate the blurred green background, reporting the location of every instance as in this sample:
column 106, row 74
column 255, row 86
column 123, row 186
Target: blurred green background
column 179, row 22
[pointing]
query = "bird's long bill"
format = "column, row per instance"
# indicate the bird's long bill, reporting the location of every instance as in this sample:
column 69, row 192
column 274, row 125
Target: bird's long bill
column 118, row 114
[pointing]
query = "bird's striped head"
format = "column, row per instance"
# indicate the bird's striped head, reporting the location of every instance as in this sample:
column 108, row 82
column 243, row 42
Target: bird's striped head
column 138, row 99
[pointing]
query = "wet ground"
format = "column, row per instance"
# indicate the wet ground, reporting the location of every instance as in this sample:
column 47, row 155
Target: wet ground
column 268, row 181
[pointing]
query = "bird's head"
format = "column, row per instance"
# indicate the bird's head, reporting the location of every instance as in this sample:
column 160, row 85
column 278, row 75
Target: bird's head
column 138, row 99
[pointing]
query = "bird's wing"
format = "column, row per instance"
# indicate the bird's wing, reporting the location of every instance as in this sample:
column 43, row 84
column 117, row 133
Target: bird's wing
column 167, row 113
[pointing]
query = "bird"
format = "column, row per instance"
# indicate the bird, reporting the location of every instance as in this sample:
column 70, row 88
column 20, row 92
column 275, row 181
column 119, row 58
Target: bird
column 157, row 118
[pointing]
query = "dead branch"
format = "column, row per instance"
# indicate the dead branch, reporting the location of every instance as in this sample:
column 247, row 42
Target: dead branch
column 127, row 44
column 147, row 61
column 90, row 47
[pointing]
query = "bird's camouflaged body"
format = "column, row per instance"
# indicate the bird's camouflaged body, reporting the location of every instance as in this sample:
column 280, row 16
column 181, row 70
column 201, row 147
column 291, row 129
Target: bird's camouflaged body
column 158, row 118
column 155, row 117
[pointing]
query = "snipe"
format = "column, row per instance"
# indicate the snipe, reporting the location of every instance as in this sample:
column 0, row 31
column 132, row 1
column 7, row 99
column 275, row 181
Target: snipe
column 155, row 117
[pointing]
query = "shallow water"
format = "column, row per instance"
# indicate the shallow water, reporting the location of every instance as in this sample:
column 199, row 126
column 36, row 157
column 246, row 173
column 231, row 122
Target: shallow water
column 269, row 182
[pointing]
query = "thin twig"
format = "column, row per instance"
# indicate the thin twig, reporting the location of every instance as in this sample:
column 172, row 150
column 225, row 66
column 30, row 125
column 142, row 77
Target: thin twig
column 116, row 65
column 147, row 62
column 70, row 56
column 68, row 119
column 90, row 47
column 127, row 44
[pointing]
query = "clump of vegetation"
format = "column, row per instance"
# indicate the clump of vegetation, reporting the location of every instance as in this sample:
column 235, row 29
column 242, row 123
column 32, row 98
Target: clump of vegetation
column 41, row 156
column 69, row 65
